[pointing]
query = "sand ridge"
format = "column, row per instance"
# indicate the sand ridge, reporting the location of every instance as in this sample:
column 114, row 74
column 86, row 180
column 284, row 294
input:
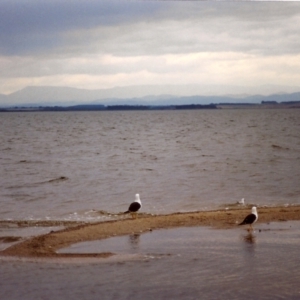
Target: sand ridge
column 46, row 245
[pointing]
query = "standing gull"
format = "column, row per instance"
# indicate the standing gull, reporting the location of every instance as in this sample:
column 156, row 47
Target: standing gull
column 251, row 218
column 135, row 206
column 242, row 201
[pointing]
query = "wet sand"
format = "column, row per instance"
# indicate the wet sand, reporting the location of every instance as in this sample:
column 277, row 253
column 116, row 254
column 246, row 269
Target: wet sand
column 47, row 245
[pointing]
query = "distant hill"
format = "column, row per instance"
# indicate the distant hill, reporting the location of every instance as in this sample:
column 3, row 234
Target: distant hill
column 147, row 95
column 204, row 100
column 3, row 98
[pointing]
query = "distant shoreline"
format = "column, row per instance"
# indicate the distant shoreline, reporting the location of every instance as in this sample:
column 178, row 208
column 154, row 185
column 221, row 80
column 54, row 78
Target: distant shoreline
column 47, row 245
column 100, row 107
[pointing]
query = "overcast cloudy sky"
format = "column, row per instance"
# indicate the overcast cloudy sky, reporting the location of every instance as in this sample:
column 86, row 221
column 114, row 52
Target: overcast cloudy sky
column 102, row 44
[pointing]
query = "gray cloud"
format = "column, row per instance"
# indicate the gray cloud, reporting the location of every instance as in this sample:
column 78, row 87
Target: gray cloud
column 105, row 42
column 147, row 27
column 34, row 25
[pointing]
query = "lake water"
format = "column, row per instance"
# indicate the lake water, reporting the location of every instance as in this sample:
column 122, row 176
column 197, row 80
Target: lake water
column 86, row 166
column 71, row 165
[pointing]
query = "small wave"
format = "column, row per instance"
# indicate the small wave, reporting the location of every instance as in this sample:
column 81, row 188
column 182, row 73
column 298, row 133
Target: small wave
column 237, row 205
column 10, row 223
column 25, row 161
column 61, row 178
column 279, row 147
column 102, row 212
column 31, row 200
column 97, row 216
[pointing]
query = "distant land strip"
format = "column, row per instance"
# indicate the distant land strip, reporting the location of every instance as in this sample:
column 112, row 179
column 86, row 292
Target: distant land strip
column 101, row 107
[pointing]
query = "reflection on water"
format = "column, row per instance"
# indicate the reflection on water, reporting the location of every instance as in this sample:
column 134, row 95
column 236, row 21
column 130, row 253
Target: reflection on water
column 134, row 240
column 249, row 238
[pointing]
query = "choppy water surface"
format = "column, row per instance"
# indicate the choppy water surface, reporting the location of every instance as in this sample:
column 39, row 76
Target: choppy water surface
column 71, row 165
column 183, row 263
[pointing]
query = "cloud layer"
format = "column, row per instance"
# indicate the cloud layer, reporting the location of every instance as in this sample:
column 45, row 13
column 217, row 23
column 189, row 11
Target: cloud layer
column 101, row 44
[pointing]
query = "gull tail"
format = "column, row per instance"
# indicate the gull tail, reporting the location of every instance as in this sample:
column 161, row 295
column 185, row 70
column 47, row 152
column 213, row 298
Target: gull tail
column 243, row 223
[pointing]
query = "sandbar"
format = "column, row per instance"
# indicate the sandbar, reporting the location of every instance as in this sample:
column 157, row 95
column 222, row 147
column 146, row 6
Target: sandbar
column 47, row 245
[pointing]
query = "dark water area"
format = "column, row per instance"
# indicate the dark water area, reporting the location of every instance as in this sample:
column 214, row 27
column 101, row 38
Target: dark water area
column 182, row 263
column 71, row 165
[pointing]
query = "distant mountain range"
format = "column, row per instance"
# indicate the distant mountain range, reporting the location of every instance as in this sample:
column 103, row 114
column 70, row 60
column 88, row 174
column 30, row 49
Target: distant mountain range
column 149, row 95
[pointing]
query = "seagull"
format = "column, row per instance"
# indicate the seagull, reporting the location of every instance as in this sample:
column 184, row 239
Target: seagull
column 242, row 201
column 251, row 218
column 135, row 206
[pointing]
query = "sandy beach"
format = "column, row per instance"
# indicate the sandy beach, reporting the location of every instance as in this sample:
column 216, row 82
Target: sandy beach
column 47, row 245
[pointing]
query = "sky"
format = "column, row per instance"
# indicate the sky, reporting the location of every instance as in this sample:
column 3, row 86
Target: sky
column 107, row 43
